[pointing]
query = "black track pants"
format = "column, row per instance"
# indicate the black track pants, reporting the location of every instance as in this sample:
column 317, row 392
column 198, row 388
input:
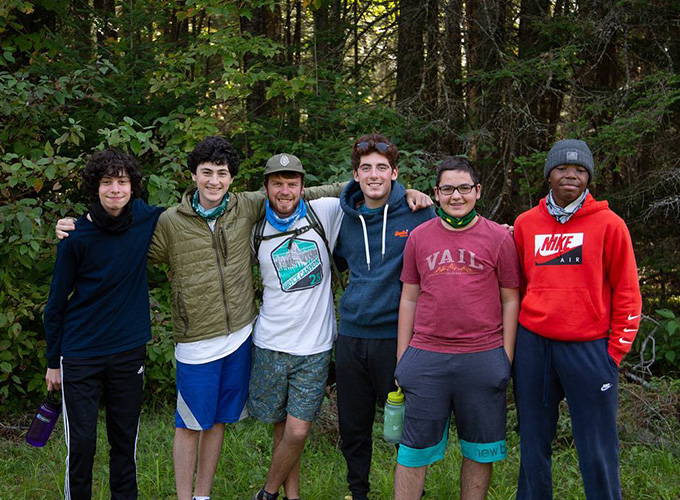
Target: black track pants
column 119, row 378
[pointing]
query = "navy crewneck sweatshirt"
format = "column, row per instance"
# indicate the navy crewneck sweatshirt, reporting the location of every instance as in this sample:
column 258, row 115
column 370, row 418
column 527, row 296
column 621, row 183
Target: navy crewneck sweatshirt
column 108, row 311
column 369, row 307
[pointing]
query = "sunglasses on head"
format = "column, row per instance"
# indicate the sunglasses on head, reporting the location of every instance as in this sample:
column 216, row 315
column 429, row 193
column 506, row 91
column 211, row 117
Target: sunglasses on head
column 380, row 146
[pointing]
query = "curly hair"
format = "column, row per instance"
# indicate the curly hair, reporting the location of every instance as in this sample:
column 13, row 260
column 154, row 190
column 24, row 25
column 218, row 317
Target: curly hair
column 112, row 163
column 457, row 163
column 215, row 150
column 369, row 142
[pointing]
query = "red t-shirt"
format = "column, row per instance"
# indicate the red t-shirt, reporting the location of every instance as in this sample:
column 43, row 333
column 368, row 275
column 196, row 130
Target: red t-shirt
column 460, row 274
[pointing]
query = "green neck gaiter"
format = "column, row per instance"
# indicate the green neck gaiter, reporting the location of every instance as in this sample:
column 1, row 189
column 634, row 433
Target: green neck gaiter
column 209, row 214
column 454, row 222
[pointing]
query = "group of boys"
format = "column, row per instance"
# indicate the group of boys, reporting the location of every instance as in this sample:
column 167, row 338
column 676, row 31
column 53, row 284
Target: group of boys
column 449, row 352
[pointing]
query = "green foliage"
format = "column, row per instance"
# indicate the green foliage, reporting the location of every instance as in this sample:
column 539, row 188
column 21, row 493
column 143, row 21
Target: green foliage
column 153, row 79
column 530, row 173
column 667, row 338
column 417, row 170
column 160, row 368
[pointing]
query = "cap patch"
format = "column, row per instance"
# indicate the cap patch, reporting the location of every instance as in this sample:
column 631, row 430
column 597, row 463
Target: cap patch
column 284, row 160
column 572, row 155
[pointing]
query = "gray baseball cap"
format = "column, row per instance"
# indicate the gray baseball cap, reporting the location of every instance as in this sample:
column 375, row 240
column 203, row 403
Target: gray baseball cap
column 283, row 163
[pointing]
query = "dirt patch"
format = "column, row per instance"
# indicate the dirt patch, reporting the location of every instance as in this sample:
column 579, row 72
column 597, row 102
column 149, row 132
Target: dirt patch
column 649, row 413
column 15, row 428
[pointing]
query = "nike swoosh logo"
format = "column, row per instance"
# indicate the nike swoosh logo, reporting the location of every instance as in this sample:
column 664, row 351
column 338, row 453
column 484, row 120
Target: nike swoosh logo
column 625, row 341
column 628, row 330
column 631, row 317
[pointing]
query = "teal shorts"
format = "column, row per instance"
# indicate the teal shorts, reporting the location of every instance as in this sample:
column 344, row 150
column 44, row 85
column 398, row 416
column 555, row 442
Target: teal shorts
column 284, row 384
column 471, row 385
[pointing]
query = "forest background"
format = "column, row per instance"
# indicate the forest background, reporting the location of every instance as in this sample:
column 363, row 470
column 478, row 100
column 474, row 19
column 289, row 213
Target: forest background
column 498, row 81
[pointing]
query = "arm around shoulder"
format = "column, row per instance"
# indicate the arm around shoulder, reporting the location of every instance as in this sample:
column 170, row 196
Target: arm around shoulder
column 325, row 191
column 251, row 204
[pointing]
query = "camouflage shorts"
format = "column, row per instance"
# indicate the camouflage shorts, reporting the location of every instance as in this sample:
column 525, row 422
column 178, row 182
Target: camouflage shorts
column 282, row 384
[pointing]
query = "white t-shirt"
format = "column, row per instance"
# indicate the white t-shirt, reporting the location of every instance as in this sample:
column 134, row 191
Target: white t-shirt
column 205, row 351
column 297, row 314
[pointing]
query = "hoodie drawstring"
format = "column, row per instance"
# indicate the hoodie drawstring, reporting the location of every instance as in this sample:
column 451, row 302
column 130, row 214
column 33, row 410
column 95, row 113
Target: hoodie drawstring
column 384, row 231
column 368, row 254
column 382, row 255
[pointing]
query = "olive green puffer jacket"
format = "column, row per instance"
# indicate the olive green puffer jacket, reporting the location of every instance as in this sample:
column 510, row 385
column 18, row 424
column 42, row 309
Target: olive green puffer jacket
column 212, row 283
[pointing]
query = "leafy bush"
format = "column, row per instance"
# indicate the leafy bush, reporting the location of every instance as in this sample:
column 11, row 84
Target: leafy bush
column 663, row 332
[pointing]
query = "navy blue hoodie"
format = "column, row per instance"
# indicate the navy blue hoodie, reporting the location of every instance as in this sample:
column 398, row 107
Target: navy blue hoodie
column 108, row 311
column 370, row 306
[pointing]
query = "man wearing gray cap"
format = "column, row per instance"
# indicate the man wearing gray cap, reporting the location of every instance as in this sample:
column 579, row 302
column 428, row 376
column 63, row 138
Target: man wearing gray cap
column 296, row 326
column 579, row 315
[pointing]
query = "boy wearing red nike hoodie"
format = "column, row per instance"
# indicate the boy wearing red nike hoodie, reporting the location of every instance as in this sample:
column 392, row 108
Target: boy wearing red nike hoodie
column 579, row 315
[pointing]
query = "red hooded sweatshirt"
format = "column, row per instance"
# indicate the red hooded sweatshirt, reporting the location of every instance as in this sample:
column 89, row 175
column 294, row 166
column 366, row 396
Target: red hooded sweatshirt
column 580, row 279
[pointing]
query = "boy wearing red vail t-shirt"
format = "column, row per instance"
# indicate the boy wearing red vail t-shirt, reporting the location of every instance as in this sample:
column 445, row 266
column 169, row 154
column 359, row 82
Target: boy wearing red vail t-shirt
column 456, row 336
column 579, row 315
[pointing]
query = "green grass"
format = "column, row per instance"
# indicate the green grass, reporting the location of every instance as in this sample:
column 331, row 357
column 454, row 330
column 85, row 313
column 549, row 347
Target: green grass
column 648, row 472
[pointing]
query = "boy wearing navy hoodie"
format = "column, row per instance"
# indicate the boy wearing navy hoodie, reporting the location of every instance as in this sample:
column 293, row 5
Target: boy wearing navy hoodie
column 97, row 323
column 372, row 237
column 579, row 316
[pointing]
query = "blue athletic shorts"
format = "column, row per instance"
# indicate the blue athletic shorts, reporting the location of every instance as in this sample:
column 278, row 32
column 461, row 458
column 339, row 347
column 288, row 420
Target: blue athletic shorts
column 215, row 392
column 472, row 385
column 284, row 384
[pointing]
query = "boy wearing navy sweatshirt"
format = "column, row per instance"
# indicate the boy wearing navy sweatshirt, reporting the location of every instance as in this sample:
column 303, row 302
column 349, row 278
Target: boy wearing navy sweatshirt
column 96, row 336
column 372, row 237
column 579, row 316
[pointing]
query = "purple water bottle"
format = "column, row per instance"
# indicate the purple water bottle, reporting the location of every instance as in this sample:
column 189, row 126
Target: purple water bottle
column 44, row 421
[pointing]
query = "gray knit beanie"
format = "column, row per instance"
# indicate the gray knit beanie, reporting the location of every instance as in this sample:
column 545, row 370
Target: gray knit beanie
column 570, row 152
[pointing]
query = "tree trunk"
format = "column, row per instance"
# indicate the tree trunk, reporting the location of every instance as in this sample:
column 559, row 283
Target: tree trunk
column 539, row 96
column 81, row 20
column 431, row 87
column 264, row 22
column 410, row 51
column 485, row 22
column 105, row 11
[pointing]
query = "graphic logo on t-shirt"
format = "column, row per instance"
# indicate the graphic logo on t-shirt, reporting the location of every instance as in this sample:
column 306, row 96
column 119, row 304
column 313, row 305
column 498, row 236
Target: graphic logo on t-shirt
column 462, row 261
column 558, row 249
column 298, row 265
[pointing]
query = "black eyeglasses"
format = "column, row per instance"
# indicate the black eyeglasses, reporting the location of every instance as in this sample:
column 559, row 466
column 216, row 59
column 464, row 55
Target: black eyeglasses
column 449, row 190
column 380, row 146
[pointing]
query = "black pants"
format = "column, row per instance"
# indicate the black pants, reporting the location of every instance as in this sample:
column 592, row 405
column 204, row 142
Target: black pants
column 119, row 378
column 365, row 374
